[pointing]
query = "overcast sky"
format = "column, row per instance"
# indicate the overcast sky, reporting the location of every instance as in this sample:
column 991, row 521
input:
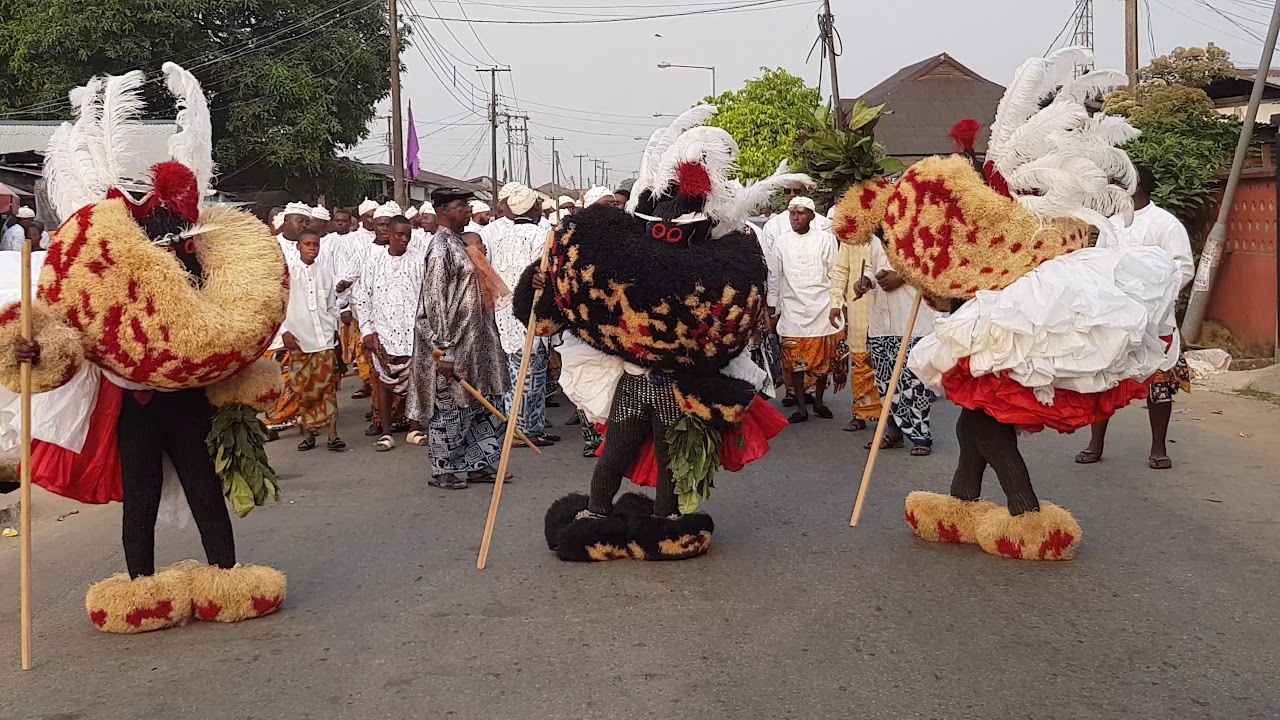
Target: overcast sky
column 598, row 85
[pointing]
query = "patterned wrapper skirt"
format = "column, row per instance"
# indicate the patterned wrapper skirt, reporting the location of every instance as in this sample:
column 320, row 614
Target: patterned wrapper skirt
column 314, row 386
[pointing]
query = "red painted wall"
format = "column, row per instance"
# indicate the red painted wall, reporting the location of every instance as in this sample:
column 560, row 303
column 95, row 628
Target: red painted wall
column 1244, row 290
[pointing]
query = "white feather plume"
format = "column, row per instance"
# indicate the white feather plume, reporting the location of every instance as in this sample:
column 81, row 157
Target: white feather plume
column 1038, row 136
column 662, row 140
column 63, row 183
column 192, row 145
column 1091, row 85
column 121, row 105
column 751, row 198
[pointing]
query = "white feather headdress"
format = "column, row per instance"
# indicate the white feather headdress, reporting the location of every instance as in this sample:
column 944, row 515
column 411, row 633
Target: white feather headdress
column 1060, row 161
column 729, row 204
column 87, row 157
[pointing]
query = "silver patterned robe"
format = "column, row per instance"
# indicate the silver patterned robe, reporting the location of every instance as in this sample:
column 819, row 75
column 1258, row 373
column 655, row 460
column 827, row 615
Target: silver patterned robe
column 452, row 318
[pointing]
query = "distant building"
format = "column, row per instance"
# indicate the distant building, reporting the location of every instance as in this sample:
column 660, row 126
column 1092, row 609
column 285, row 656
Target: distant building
column 926, row 99
column 419, row 190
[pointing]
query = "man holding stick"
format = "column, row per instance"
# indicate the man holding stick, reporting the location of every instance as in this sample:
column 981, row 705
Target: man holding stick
column 455, row 317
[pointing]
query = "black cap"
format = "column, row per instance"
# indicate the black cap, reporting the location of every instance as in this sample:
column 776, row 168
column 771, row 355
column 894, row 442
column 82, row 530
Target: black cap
column 446, row 195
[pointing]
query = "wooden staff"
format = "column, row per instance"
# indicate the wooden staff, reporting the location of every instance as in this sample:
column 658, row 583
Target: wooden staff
column 25, row 523
column 489, row 406
column 884, row 411
column 516, row 399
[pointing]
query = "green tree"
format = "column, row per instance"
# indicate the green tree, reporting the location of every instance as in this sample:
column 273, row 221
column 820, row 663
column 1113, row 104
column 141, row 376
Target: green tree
column 765, row 117
column 290, row 82
column 1185, row 142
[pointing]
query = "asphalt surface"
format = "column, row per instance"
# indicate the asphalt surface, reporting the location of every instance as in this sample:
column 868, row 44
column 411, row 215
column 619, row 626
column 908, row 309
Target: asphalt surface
column 1169, row 611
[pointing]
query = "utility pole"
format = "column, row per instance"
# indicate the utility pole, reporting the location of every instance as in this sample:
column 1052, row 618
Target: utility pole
column 506, row 176
column 582, row 178
column 1203, row 285
column 493, row 124
column 827, row 26
column 555, row 163
column 528, row 173
column 1131, row 41
column 397, row 140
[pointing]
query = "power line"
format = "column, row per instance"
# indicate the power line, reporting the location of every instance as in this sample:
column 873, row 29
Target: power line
column 475, row 34
column 1202, row 22
column 757, row 5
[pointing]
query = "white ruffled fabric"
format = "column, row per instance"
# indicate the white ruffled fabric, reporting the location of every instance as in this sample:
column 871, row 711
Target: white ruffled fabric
column 589, row 378
column 1084, row 321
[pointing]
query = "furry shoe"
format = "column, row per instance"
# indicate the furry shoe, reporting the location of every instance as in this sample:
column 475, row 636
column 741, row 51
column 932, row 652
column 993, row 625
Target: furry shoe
column 242, row 593
column 679, row 538
column 944, row 518
column 1050, row 533
column 151, row 602
column 590, row 539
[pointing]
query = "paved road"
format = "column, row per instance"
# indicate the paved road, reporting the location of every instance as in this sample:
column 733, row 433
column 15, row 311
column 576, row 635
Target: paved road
column 1170, row 611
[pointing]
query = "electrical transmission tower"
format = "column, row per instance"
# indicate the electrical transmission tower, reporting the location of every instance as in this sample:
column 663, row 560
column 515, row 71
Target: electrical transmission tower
column 1082, row 35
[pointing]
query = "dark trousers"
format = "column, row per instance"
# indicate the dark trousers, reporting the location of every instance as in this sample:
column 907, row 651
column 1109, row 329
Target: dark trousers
column 153, row 425
column 986, row 441
column 640, row 408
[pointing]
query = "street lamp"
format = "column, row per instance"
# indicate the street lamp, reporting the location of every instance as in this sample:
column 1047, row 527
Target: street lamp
column 712, row 68
column 657, row 114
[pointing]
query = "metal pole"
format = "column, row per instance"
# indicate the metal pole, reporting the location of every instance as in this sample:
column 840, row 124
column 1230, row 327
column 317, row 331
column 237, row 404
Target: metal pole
column 828, row 33
column 555, row 164
column 582, row 178
column 528, row 172
column 397, row 140
column 713, row 81
column 1203, row 284
column 1131, row 41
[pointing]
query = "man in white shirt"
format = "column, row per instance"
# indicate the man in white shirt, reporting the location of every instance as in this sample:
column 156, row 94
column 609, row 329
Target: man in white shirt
column 891, row 303
column 780, row 224
column 310, row 326
column 386, row 298
column 292, row 222
column 15, row 234
column 799, row 300
column 481, row 215
column 510, row 255
column 1154, row 226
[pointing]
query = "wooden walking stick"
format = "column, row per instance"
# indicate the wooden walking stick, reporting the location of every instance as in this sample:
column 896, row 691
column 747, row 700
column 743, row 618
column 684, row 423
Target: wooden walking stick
column 471, row 390
column 884, row 411
column 25, row 472
column 516, row 398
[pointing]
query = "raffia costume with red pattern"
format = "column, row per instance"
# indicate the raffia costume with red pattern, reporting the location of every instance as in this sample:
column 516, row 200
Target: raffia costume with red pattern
column 984, row 242
column 154, row 309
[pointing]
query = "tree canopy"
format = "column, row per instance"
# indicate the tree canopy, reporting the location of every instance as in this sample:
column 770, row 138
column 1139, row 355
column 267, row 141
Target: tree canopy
column 1185, row 142
column 765, row 117
column 289, row 82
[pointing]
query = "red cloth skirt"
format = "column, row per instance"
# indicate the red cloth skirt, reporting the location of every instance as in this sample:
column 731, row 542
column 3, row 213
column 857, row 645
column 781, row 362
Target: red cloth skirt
column 93, row 475
column 738, row 447
column 1014, row 404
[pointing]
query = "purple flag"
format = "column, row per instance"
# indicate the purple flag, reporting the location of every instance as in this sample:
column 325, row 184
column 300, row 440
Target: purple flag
column 412, row 152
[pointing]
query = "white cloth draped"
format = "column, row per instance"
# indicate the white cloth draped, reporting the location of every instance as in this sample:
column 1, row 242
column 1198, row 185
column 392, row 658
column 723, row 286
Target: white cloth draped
column 1084, row 321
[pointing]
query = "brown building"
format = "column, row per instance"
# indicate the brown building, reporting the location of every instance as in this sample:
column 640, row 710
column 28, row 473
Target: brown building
column 926, row 99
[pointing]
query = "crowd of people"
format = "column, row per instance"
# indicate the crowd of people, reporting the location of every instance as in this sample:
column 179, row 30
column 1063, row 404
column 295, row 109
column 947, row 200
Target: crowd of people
column 21, row 226
column 417, row 302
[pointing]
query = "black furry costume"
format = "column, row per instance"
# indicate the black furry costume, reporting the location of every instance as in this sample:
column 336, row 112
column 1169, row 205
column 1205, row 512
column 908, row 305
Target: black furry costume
column 676, row 287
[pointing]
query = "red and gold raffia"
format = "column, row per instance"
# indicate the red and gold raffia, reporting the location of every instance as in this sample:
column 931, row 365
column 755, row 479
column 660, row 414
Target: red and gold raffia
column 948, row 233
column 861, row 211
column 138, row 314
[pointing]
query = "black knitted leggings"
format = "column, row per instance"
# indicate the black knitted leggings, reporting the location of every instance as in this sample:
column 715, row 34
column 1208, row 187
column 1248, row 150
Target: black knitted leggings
column 173, row 424
column 640, row 408
column 986, row 441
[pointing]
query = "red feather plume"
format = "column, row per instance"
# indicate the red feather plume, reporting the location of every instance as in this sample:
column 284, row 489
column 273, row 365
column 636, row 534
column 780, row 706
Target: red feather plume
column 694, row 180
column 965, row 134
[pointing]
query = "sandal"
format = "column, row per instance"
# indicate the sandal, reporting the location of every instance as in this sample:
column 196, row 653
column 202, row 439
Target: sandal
column 307, row 444
column 373, row 430
column 1159, row 462
column 361, row 394
column 337, row 444
column 789, row 400
column 886, row 444
column 487, row 476
column 921, row 451
column 575, row 420
column 1088, row 457
column 537, row 440
column 823, row 412
column 798, row 417
column 588, row 453
column 400, row 426
column 416, row 437
column 855, row 425
column 385, row 443
column 448, row 482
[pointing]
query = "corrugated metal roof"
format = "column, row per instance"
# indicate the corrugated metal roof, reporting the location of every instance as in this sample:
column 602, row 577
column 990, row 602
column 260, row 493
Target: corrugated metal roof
column 927, row 98
column 148, row 146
